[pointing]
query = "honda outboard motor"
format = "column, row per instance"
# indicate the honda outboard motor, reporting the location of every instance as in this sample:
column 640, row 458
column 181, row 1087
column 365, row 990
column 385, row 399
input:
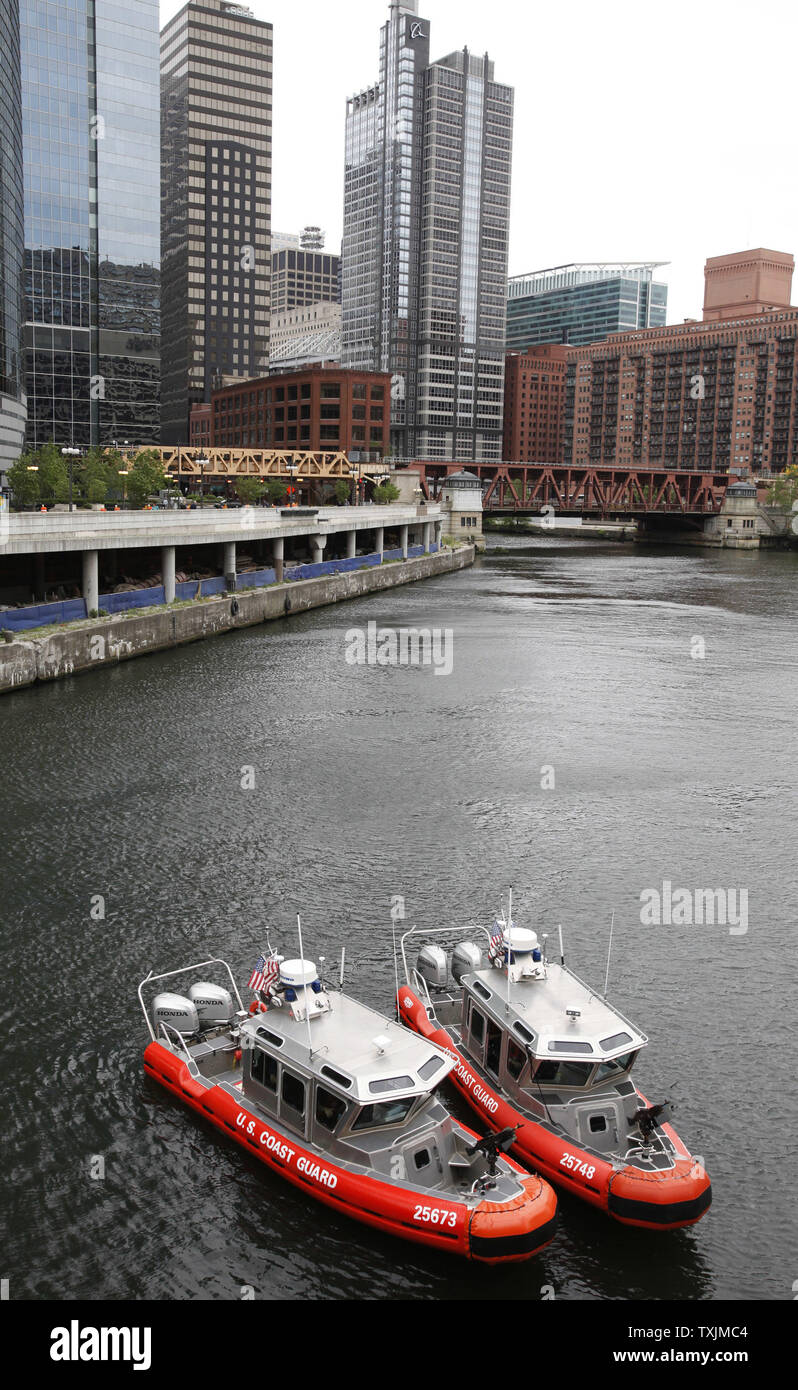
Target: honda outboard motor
column 431, row 966
column 214, row 1005
column 466, row 958
column 177, row 1011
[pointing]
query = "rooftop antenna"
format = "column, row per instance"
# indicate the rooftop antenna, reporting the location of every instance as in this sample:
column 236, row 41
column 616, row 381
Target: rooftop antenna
column 305, row 987
column 609, row 952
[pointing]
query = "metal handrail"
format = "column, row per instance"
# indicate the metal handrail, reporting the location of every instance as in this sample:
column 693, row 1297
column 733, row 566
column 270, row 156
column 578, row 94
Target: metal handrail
column 184, row 970
column 168, row 1028
column 434, row 931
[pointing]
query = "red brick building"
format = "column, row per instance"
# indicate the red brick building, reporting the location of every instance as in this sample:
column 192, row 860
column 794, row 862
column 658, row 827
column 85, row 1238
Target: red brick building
column 534, row 397
column 318, row 409
column 199, row 426
column 718, row 394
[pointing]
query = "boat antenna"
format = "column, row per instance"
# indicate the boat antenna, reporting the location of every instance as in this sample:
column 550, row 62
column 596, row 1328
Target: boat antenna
column 562, row 952
column 509, row 946
column 609, row 952
column 305, row 987
column 341, row 971
column 395, row 965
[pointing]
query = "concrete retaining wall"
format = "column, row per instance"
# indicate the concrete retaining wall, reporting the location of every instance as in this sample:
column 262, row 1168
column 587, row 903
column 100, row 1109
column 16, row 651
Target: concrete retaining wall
column 84, row 646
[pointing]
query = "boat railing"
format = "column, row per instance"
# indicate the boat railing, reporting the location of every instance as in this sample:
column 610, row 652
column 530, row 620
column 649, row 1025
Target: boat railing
column 414, row 980
column 595, row 995
column 184, row 970
column 166, row 1029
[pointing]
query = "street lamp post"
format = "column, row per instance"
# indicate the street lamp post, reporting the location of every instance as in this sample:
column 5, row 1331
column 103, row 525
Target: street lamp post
column 202, row 463
column 70, row 454
column 291, row 469
column 123, row 472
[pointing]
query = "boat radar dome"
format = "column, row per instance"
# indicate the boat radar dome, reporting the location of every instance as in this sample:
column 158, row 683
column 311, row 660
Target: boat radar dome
column 519, row 940
column 298, row 973
column 523, row 954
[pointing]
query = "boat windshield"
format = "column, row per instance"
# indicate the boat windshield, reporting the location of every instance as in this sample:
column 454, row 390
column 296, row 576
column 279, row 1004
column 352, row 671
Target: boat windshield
column 618, row 1064
column 564, row 1073
column 384, row 1112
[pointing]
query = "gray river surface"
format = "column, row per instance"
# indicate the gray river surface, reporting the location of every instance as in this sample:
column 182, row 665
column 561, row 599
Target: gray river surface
column 369, row 782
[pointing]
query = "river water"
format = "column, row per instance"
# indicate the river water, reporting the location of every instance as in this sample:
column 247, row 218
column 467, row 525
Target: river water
column 122, row 794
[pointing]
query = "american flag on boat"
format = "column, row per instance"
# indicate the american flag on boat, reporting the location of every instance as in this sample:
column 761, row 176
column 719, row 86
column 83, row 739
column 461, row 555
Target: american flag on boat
column 496, row 948
column 267, row 968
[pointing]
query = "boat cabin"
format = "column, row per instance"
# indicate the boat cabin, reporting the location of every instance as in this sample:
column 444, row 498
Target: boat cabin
column 337, row 1074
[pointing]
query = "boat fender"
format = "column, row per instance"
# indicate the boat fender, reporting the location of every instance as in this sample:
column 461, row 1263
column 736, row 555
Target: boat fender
column 237, row 1057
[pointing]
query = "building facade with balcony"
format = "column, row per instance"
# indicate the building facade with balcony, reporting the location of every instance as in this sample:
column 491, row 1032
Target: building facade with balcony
column 721, row 394
column 317, row 409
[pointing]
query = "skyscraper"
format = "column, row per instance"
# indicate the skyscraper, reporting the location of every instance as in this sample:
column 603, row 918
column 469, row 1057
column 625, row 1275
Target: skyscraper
column 424, row 257
column 92, row 237
column 216, row 116
column 12, row 240
column 583, row 303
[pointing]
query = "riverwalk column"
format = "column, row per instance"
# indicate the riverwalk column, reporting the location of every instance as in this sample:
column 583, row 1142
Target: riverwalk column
column 379, row 540
column 230, row 565
column 438, row 531
column 404, row 532
column 39, row 584
column 278, row 550
column 91, row 588
column 427, row 536
column 351, row 545
column 168, row 573
column 317, row 544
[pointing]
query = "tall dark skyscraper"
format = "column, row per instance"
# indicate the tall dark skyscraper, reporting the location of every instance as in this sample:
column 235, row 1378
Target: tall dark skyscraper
column 12, row 240
column 216, row 123
column 92, row 220
column 424, row 257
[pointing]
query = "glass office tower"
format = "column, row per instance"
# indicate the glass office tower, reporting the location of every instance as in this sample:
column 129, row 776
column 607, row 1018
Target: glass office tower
column 90, row 92
column 12, row 240
column 580, row 304
column 424, row 257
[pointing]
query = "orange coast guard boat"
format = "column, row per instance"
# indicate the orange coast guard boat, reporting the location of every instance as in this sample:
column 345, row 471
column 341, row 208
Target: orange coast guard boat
column 343, row 1104
column 535, row 1048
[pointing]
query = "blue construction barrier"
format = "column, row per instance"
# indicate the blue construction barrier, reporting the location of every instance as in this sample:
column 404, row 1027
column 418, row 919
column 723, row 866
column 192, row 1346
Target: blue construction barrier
column 70, row 610
column 42, row 614
column 131, row 598
column 255, row 579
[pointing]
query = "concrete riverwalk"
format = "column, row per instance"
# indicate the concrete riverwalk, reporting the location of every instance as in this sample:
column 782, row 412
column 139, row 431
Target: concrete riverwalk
column 93, row 643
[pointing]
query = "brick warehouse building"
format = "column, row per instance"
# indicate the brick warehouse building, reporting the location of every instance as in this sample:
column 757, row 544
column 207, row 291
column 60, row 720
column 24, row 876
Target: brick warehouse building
column 320, row 408
column 716, row 394
column 534, row 399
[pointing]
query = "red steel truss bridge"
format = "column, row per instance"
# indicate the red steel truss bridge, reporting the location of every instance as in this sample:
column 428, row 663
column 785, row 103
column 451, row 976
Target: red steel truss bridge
column 606, row 492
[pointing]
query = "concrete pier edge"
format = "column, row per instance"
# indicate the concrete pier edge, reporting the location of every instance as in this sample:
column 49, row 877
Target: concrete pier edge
column 90, row 644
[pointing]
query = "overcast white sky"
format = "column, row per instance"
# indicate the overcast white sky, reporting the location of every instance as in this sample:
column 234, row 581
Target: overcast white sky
column 642, row 132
